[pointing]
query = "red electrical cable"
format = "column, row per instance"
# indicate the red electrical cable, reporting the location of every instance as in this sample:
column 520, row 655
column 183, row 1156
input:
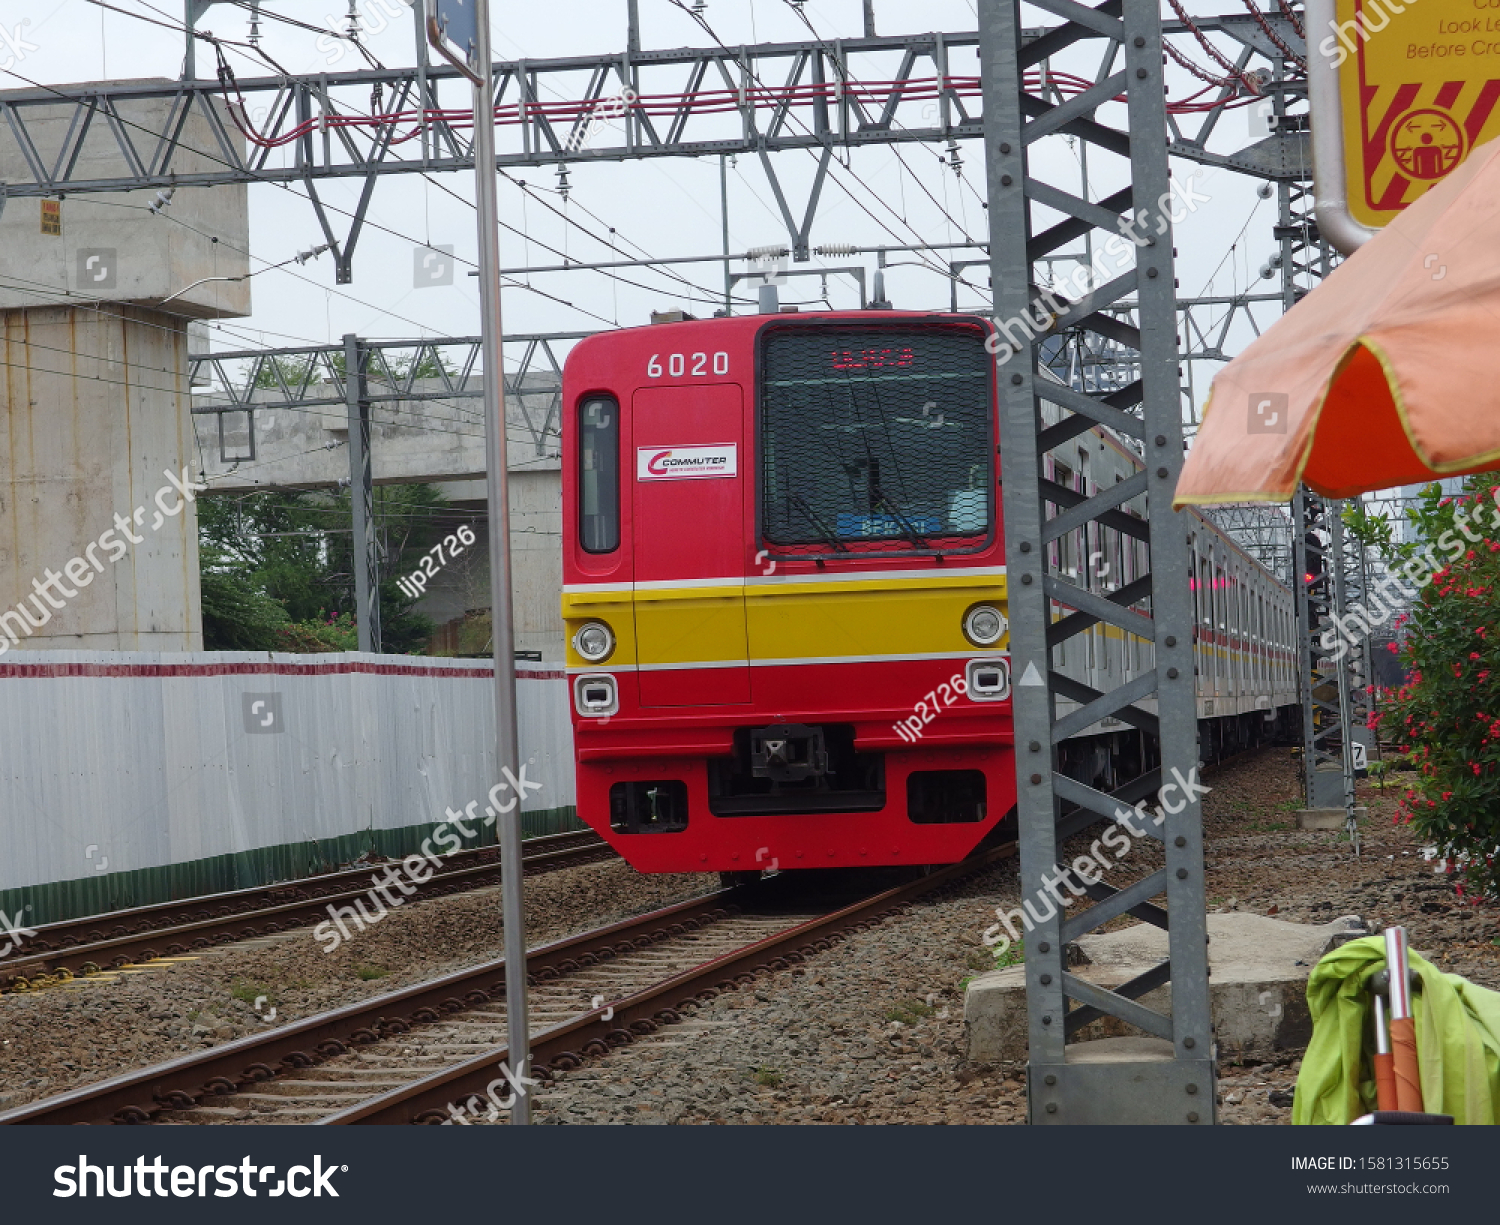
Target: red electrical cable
column 1214, row 53
column 1281, row 46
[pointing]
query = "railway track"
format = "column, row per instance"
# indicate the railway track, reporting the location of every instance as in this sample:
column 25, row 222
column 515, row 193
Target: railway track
column 60, row 951
column 420, row 1055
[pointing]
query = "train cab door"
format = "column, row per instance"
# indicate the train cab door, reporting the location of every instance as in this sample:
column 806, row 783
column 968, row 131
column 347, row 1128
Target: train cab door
column 688, row 509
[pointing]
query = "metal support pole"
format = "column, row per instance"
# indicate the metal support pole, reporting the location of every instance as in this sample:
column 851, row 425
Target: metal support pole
column 724, row 216
column 869, row 18
column 1070, row 1082
column 1348, row 667
column 502, row 624
column 632, row 26
column 366, row 548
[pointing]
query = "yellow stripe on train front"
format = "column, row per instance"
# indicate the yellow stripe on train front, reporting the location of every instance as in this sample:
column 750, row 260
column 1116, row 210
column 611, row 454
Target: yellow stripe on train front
column 793, row 620
column 861, row 619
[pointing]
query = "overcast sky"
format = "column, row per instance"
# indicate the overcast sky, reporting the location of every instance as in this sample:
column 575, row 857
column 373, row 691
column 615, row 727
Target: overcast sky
column 656, row 206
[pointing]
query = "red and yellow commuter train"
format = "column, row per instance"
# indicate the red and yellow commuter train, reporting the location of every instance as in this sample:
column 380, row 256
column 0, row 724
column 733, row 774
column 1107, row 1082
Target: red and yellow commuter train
column 785, row 595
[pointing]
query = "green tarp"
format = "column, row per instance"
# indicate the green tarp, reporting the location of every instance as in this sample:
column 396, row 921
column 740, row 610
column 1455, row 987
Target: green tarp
column 1458, row 1040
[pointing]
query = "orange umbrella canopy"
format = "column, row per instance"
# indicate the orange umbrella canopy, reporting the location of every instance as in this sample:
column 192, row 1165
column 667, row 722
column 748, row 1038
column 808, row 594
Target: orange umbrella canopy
column 1386, row 374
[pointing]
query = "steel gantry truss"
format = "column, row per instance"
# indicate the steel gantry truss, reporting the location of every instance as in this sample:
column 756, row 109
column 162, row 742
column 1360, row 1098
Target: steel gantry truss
column 359, row 374
column 441, row 369
column 1067, row 1082
column 813, row 96
column 795, row 95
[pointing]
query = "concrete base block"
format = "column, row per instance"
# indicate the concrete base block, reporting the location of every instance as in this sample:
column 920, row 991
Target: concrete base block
column 1326, row 818
column 1257, row 989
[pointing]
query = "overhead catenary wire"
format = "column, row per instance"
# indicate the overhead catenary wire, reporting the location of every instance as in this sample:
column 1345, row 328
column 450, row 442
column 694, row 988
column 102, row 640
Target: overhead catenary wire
column 595, row 237
column 707, row 295
column 378, row 119
column 343, row 212
column 375, row 62
column 331, row 207
column 709, row 30
column 942, row 84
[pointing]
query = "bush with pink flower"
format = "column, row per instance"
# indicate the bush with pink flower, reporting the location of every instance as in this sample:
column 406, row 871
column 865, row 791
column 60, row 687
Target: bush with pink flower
column 1446, row 718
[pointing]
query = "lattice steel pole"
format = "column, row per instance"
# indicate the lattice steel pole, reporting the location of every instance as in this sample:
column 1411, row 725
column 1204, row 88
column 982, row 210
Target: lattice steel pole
column 1332, row 688
column 1352, row 642
column 1072, row 1083
column 365, row 552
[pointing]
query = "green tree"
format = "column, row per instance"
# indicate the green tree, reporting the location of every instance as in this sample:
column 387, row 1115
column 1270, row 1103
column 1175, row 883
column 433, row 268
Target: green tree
column 277, row 568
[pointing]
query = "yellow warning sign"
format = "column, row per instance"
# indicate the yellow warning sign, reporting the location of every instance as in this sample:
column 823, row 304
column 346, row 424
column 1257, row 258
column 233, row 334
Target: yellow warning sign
column 52, row 217
column 1419, row 81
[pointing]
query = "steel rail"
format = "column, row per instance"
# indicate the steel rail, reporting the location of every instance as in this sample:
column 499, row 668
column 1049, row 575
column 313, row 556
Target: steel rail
column 609, row 1026
column 137, row 1096
column 173, row 928
column 200, row 1078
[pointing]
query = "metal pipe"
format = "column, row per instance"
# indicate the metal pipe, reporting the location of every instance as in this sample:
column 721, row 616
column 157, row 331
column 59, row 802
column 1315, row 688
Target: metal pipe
column 366, row 587
column 508, row 756
column 828, row 249
column 724, row 217
column 1407, row 1071
column 1385, row 1072
column 1330, row 183
column 1396, row 963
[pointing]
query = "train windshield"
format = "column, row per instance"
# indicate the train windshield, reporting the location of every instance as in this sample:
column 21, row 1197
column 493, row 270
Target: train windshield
column 876, row 438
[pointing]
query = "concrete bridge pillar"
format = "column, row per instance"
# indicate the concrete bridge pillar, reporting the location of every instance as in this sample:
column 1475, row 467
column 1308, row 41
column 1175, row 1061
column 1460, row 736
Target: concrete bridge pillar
column 98, row 532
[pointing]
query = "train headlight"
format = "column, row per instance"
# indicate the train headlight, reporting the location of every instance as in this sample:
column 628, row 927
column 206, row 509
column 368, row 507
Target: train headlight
column 594, row 641
column 984, row 625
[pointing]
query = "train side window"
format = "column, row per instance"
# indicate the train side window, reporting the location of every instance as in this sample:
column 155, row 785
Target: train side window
column 599, row 475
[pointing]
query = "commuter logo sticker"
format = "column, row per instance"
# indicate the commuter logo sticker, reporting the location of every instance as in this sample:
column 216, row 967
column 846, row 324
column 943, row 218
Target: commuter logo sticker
column 686, row 463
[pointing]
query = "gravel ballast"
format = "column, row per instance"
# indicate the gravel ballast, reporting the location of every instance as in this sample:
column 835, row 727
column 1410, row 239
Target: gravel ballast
column 872, row 1031
column 62, row 1037
column 868, row 1032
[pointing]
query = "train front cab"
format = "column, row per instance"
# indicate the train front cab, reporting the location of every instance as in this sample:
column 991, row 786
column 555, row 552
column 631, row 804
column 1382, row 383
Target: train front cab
column 781, row 545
